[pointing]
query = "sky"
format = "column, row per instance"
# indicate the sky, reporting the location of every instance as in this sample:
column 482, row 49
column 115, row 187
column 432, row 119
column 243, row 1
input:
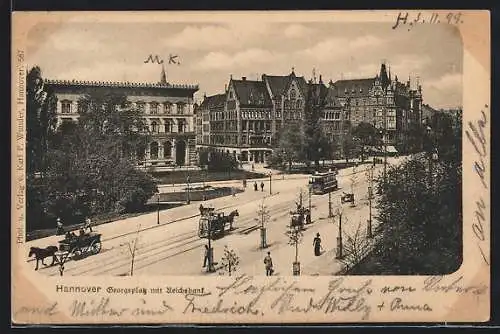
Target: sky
column 210, row 52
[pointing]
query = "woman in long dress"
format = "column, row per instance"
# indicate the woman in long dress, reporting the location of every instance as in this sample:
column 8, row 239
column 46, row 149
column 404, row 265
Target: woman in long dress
column 317, row 245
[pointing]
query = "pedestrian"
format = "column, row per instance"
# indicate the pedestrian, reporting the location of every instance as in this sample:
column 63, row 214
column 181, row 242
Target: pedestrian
column 88, row 224
column 253, row 167
column 206, row 258
column 244, row 183
column 317, row 245
column 262, row 186
column 60, row 228
column 268, row 262
column 255, row 187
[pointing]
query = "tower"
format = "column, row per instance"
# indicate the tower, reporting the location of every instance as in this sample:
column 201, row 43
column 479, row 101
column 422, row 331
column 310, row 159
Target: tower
column 384, row 78
column 163, row 79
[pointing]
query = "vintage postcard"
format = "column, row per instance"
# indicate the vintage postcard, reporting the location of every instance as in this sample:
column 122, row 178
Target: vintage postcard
column 250, row 167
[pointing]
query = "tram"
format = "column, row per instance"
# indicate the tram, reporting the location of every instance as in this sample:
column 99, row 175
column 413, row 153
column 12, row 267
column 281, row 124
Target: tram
column 322, row 183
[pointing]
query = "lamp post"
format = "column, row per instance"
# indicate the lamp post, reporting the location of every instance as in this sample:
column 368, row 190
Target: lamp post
column 210, row 267
column 330, row 213
column 339, row 254
column 188, row 199
column 369, row 232
column 158, row 209
column 310, row 191
column 204, row 176
column 270, row 183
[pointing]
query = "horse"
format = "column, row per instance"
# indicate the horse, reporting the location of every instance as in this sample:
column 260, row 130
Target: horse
column 42, row 253
column 230, row 218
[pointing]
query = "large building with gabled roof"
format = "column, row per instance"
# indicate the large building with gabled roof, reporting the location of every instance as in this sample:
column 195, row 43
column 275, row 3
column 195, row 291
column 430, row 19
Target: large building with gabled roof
column 250, row 114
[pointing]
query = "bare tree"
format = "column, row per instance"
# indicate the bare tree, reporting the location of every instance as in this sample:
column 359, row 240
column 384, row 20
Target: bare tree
column 132, row 246
column 294, row 234
column 356, row 247
column 230, row 261
column 263, row 217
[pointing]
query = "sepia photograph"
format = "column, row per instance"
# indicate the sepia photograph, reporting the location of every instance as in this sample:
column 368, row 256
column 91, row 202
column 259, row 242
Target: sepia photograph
column 239, row 147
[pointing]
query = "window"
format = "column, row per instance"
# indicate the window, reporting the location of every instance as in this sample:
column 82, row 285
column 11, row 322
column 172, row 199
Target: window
column 153, row 108
column 299, row 103
column 181, row 126
column 181, row 108
column 66, row 107
column 168, row 125
column 154, row 127
column 168, row 107
column 153, row 150
column 293, row 95
column 167, row 149
column 141, row 106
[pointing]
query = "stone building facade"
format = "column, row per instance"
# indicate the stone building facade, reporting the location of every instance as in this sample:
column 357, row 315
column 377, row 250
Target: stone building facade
column 168, row 110
column 247, row 118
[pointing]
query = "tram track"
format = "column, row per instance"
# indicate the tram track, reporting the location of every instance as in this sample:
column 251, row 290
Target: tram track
column 163, row 249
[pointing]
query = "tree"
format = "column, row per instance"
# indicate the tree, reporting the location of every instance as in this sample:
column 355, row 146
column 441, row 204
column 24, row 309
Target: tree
column 313, row 135
column 294, row 234
column 290, row 147
column 263, row 217
column 356, row 247
column 41, row 107
column 367, row 134
column 350, row 147
column 230, row 261
column 132, row 248
column 90, row 165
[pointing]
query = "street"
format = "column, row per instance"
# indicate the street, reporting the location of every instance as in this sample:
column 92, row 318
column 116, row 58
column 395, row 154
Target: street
column 173, row 247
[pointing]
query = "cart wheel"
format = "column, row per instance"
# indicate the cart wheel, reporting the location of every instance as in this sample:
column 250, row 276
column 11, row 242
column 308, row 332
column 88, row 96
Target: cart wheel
column 77, row 254
column 96, row 247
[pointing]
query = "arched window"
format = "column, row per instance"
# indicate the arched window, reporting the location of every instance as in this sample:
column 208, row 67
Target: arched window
column 153, row 150
column 293, row 94
column 154, row 127
column 168, row 107
column 168, row 126
column 167, row 149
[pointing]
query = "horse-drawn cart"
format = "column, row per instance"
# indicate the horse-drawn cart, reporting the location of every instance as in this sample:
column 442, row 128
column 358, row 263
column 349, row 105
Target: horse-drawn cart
column 212, row 225
column 77, row 246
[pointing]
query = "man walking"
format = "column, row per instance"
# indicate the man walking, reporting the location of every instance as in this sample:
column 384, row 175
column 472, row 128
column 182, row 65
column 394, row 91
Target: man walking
column 206, row 259
column 262, row 186
column 60, row 229
column 255, row 186
column 268, row 263
column 88, row 224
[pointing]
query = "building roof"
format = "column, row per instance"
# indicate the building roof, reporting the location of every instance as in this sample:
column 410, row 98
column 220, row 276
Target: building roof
column 119, row 84
column 319, row 90
column 251, row 93
column 214, row 101
column 280, row 83
column 354, row 87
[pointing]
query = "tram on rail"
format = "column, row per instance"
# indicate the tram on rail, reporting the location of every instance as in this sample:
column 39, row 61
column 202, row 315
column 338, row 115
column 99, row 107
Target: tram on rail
column 322, row 183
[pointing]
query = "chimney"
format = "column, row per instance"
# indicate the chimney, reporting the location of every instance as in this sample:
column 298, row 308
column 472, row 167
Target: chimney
column 244, row 78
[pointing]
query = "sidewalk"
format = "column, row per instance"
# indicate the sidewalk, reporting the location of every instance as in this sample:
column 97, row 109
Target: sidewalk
column 127, row 226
